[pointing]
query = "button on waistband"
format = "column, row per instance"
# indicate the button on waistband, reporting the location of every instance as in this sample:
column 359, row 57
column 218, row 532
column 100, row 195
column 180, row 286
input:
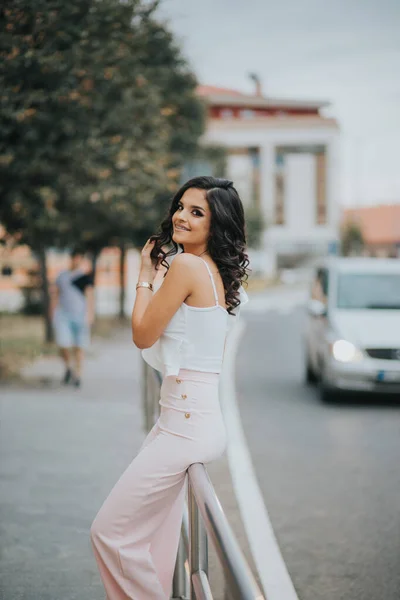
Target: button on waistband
column 183, row 396
column 178, row 380
column 187, row 415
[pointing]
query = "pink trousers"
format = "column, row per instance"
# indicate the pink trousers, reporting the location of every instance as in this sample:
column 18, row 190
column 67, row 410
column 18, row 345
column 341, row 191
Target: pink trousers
column 135, row 535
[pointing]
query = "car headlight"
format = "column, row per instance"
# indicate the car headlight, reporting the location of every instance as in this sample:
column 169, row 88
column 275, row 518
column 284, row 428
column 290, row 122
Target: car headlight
column 345, row 352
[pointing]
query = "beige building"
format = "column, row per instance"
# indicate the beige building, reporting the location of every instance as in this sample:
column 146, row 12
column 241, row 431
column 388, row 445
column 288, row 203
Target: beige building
column 283, row 157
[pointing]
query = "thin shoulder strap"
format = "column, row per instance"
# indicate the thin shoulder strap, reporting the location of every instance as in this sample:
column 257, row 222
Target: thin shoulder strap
column 212, row 281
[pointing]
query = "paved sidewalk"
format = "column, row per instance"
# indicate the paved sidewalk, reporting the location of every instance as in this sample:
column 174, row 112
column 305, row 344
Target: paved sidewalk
column 62, row 449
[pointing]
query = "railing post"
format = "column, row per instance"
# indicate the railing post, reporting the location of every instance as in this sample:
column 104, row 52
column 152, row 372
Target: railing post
column 203, row 546
column 179, row 583
column 194, row 539
column 198, row 550
column 146, row 397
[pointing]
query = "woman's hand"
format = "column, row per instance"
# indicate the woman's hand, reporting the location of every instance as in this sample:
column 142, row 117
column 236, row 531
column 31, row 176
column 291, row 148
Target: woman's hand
column 148, row 265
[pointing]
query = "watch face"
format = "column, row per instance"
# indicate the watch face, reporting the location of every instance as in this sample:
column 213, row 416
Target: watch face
column 144, row 284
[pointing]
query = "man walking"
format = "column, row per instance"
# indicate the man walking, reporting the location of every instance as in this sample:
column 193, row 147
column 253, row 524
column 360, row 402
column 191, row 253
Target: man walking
column 73, row 315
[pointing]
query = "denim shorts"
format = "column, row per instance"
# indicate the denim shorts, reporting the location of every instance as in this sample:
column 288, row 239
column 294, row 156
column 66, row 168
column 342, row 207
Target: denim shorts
column 69, row 331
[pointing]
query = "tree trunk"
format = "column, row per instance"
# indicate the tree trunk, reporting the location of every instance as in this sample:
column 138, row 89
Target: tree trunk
column 49, row 334
column 95, row 256
column 122, row 280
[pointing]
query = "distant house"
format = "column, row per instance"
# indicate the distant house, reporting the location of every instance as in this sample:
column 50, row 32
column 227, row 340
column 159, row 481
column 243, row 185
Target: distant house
column 380, row 226
column 282, row 156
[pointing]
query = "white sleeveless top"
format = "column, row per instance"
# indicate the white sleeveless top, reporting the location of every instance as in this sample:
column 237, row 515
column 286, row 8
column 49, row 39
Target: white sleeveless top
column 194, row 338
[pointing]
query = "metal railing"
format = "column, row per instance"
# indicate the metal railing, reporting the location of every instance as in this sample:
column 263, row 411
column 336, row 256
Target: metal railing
column 203, row 519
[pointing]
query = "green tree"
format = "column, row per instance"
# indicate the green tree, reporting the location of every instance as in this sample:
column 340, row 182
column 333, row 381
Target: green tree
column 352, row 240
column 98, row 110
column 255, row 225
column 183, row 113
column 127, row 214
column 182, row 108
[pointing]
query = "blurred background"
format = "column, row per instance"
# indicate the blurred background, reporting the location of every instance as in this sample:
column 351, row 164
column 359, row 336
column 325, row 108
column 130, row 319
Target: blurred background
column 101, row 121
column 107, row 107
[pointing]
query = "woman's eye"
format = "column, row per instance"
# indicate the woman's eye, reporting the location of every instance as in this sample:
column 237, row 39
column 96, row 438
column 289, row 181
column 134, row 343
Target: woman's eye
column 195, row 212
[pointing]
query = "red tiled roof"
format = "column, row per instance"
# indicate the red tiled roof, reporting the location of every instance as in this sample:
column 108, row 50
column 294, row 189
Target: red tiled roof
column 218, row 96
column 207, row 90
column 379, row 224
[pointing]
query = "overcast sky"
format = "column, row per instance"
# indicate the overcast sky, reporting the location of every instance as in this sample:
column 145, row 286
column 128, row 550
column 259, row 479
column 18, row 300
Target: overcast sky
column 344, row 51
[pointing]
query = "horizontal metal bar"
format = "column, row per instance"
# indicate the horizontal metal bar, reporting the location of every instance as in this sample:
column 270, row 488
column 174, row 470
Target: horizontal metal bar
column 201, row 586
column 239, row 578
column 194, row 531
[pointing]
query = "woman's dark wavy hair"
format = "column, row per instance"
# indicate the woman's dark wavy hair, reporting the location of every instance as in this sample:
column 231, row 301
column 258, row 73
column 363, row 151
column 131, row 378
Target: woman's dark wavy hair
column 227, row 240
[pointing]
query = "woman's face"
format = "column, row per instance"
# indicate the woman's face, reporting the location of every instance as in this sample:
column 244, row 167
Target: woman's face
column 191, row 221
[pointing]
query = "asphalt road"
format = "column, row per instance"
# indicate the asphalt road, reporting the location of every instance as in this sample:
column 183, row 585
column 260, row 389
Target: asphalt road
column 329, row 474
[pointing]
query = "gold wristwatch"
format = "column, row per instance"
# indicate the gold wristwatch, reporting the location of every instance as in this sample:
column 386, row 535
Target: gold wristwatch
column 145, row 284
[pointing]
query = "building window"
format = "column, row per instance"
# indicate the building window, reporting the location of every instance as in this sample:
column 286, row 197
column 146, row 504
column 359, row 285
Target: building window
column 226, row 113
column 243, row 167
column 321, row 216
column 254, row 154
column 6, row 271
column 319, row 207
column 279, row 188
column 247, row 113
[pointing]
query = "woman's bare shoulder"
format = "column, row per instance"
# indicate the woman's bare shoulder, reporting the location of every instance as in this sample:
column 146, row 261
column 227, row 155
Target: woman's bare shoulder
column 186, row 261
column 187, row 268
column 183, row 265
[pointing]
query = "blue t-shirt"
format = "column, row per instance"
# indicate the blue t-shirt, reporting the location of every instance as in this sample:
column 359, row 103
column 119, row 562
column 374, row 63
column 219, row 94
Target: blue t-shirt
column 71, row 286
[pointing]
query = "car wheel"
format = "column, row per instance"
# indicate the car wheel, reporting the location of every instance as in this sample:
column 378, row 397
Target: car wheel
column 326, row 393
column 310, row 376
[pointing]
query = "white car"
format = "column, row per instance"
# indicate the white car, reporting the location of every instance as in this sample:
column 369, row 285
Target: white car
column 352, row 337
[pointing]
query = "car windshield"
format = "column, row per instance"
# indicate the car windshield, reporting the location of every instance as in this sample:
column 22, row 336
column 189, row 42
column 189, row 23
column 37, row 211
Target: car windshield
column 369, row 291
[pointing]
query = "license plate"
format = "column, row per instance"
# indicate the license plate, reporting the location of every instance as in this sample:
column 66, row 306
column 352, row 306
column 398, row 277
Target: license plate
column 388, row 376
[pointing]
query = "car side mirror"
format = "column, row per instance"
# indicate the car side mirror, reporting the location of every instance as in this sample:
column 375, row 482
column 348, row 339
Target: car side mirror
column 316, row 308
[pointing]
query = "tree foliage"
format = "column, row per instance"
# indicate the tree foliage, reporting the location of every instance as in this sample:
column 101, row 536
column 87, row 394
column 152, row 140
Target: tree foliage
column 255, row 225
column 352, row 239
column 98, row 113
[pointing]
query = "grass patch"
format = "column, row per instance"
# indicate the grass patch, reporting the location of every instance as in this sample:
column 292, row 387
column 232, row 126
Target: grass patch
column 258, row 284
column 21, row 343
column 105, row 327
column 22, row 340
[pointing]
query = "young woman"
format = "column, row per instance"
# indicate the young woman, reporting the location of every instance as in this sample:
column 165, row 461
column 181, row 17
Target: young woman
column 182, row 330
